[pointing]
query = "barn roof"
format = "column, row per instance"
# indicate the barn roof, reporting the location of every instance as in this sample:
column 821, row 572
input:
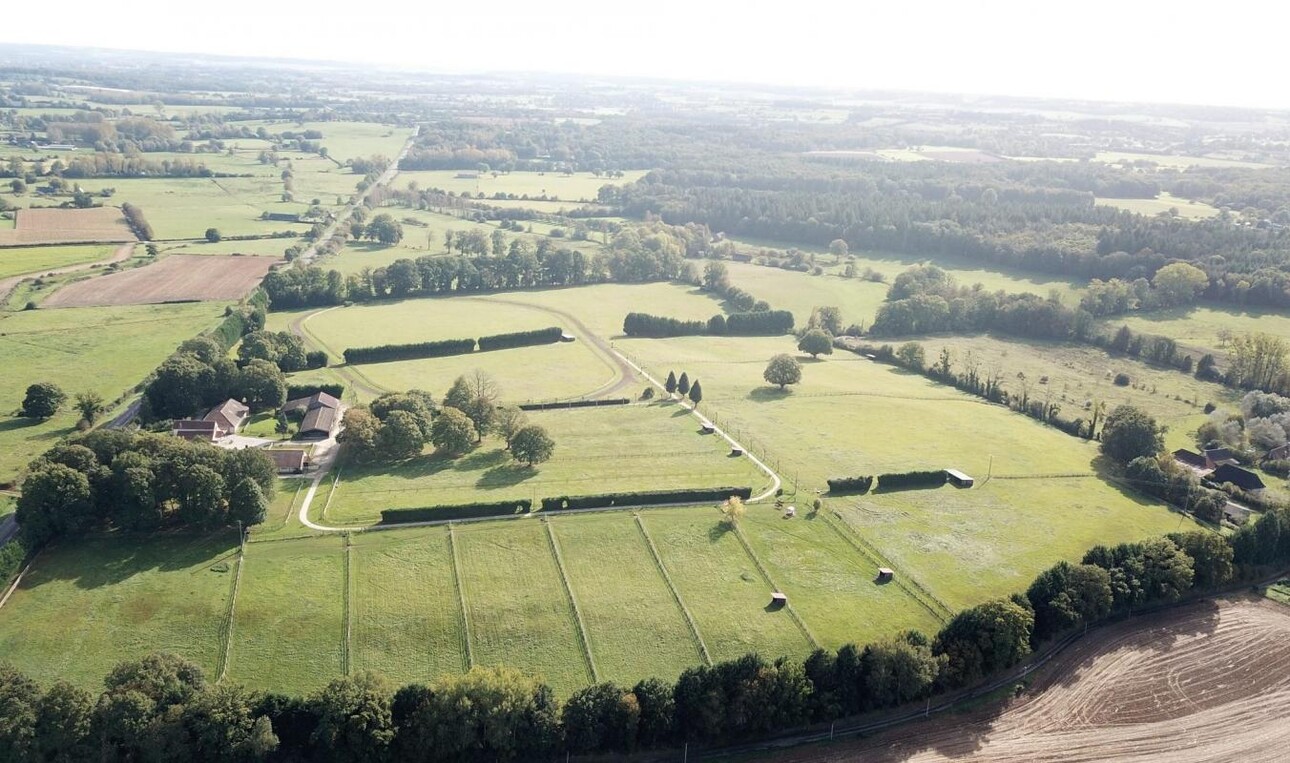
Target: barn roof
column 319, row 420
column 1235, row 475
column 316, row 400
column 287, row 460
column 1189, row 457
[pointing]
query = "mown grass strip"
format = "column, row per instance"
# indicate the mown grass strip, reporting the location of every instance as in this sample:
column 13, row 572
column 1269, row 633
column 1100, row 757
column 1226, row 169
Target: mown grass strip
column 761, row 568
column 573, row 602
column 676, row 595
column 226, row 638
column 348, row 609
column 461, row 598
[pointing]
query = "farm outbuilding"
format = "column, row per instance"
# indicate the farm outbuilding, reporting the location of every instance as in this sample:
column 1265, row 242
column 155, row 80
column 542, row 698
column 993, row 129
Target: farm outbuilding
column 736, row 451
column 885, row 575
column 707, row 429
column 958, row 478
column 778, row 600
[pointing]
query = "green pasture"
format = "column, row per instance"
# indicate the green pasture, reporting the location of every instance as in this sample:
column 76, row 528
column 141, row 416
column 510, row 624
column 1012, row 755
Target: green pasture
column 860, row 299
column 90, row 603
column 35, row 260
column 516, row 605
column 406, row 616
column 102, row 349
column 186, row 207
column 850, row 416
column 1202, row 329
column 1079, row 376
column 598, row 450
column 263, row 247
column 603, row 307
column 582, row 186
column 1165, row 202
column 289, row 620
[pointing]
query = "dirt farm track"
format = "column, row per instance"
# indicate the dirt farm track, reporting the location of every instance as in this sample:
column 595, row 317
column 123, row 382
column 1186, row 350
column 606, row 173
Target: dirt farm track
column 1207, row 682
column 176, row 278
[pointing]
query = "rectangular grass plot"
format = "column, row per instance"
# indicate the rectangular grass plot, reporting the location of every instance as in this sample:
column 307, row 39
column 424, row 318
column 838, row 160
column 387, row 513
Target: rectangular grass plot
column 407, row 617
column 288, row 630
column 518, row 610
column 636, row 628
column 721, row 586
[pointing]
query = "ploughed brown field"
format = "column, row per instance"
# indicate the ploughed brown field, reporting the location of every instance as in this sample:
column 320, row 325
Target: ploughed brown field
column 177, row 278
column 1205, row 682
column 67, row 226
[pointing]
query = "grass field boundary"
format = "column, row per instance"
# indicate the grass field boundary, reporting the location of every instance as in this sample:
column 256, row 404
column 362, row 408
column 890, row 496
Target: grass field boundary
column 761, row 568
column 291, row 510
column 226, row 636
column 573, row 602
column 18, row 579
column 461, row 598
column 676, row 595
column 335, row 480
column 348, row 608
column 939, row 609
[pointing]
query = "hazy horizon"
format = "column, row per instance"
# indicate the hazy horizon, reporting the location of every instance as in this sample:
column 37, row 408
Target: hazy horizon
column 1142, row 52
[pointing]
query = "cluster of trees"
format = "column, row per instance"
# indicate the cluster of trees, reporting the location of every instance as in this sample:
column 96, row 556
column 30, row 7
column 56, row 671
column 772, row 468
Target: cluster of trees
column 683, row 386
column 161, row 707
column 1040, row 218
column 398, row 425
column 1173, row 285
column 44, row 399
column 282, row 348
column 387, row 352
column 395, row 427
column 762, row 323
column 199, row 374
column 642, row 253
column 141, row 482
column 1261, row 424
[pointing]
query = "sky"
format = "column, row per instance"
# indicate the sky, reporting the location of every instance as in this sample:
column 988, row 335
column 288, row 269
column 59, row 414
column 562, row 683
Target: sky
column 1228, row 54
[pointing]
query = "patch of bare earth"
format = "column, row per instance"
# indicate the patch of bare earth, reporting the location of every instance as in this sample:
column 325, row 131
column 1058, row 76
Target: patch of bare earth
column 177, row 278
column 67, row 226
column 1203, row 683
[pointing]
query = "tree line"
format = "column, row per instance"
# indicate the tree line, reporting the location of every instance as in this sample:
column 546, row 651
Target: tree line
column 162, row 707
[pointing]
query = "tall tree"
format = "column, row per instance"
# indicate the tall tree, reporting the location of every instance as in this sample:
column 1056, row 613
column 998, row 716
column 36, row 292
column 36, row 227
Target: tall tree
column 43, row 399
column 696, row 393
column 532, row 445
column 816, row 342
column 90, row 405
column 683, row 384
column 247, row 504
column 670, row 384
column 1129, row 433
column 452, row 433
column 783, row 370
column 355, row 724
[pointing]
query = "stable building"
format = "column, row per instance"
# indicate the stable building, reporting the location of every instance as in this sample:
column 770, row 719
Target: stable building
column 288, row 461
column 321, row 413
column 221, row 421
column 958, row 478
column 1234, row 475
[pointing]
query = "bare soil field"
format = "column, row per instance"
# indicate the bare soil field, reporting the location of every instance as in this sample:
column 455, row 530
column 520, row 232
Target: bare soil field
column 67, row 226
column 1203, row 683
column 178, row 278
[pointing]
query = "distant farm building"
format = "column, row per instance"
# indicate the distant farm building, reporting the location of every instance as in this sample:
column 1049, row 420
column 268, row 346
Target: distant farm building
column 1190, row 458
column 1234, row 475
column 321, row 415
column 885, row 575
column 1279, row 453
column 288, row 461
column 1237, row 515
column 281, row 217
column 778, row 600
column 222, row 420
column 958, row 478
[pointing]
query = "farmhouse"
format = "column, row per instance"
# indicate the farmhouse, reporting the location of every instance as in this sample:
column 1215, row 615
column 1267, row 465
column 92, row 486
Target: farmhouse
column 321, row 414
column 1234, row 475
column 1189, row 458
column 288, row 461
column 222, row 420
column 1279, row 453
column 1216, row 457
column 195, row 429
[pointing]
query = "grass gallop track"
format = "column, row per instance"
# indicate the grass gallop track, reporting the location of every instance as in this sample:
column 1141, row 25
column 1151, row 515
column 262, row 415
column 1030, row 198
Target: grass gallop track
column 1205, row 682
column 178, row 278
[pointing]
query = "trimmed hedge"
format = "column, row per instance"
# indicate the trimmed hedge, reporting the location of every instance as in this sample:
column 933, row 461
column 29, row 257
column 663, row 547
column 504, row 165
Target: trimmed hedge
column 701, row 495
column 387, row 352
column 520, row 339
column 850, row 484
column 305, row 390
column 656, row 326
column 765, row 322
column 573, row 404
column 460, row 511
column 904, row 480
